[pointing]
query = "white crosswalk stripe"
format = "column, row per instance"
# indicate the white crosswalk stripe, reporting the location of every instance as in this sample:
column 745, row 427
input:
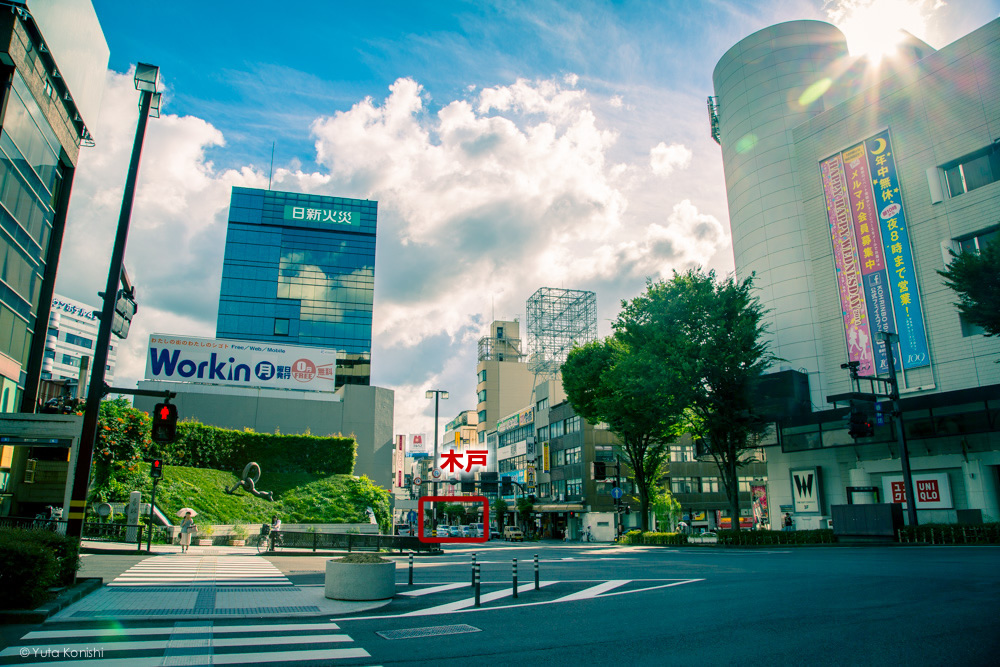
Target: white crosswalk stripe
column 188, row 643
column 174, row 570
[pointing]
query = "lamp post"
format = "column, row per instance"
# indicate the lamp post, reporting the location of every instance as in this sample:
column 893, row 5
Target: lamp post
column 437, row 395
column 146, row 79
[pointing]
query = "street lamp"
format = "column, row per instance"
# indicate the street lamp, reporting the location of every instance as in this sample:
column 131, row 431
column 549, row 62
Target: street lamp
column 437, row 395
column 146, row 79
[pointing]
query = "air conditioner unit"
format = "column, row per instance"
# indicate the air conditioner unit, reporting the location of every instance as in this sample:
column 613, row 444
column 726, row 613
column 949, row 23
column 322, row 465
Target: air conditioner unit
column 29, row 471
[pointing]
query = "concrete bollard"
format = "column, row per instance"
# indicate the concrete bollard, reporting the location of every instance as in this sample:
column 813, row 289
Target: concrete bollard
column 514, row 568
column 475, row 576
column 411, row 568
column 536, row 572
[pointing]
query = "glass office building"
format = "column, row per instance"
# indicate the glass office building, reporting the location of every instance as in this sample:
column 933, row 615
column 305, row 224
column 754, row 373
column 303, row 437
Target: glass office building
column 300, row 269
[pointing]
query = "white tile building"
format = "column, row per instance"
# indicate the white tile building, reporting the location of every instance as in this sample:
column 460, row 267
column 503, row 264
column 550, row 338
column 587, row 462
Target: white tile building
column 72, row 335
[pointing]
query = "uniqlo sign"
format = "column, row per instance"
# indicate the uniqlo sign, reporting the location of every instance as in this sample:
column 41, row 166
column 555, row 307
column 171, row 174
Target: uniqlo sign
column 933, row 490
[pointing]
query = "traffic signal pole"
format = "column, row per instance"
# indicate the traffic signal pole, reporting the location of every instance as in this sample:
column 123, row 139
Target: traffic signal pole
column 88, row 438
column 897, row 414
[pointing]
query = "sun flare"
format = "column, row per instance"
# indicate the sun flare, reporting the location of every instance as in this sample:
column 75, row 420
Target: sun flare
column 873, row 28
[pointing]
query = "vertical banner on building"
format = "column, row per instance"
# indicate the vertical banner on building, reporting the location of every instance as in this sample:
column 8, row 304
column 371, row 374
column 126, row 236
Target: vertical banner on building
column 846, row 258
column 399, row 459
column 545, row 457
column 759, row 494
column 899, row 257
column 875, row 275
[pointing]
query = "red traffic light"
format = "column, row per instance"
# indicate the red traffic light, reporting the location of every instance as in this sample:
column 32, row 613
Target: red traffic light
column 164, row 422
column 156, row 469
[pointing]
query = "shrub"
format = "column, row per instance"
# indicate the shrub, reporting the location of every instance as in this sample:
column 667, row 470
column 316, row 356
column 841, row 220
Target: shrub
column 638, row 537
column 65, row 550
column 27, row 569
column 939, row 533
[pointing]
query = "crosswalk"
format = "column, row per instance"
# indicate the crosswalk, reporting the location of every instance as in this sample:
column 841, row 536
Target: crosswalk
column 181, row 570
column 185, row 643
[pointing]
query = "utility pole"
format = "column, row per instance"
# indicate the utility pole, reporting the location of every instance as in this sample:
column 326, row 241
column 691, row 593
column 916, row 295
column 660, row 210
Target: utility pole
column 437, row 394
column 897, row 414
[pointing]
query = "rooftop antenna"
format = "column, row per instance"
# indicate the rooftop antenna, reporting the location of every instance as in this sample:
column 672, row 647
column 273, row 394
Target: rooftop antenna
column 271, row 170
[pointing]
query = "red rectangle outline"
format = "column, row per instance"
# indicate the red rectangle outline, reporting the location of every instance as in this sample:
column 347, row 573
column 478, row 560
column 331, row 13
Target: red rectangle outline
column 461, row 499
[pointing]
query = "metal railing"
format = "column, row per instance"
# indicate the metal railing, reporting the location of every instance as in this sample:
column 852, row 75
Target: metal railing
column 98, row 532
column 351, row 542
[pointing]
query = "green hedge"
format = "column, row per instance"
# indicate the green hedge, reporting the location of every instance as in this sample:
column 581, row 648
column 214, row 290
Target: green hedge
column 766, row 537
column 32, row 561
column 940, row 533
column 638, row 537
column 201, row 446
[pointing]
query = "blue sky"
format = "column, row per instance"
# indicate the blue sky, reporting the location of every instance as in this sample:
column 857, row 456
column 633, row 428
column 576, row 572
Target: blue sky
column 511, row 146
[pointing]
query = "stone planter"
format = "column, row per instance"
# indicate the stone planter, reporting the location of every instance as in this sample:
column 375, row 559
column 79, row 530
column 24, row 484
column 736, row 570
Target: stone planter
column 360, row 581
column 237, row 543
column 205, row 542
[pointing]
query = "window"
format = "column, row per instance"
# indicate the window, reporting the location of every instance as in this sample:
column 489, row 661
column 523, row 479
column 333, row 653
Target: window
column 559, row 488
column 280, row 327
column 973, row 171
column 482, row 375
column 745, row 484
column 681, row 453
column 543, row 490
column 500, row 334
column 70, row 361
column 482, row 437
column 543, row 433
column 561, row 457
column 682, row 485
column 542, row 405
column 574, row 455
column 573, row 424
column 482, row 416
column 73, row 339
column 709, row 484
column 557, row 429
column 574, row 487
column 481, row 396
column 604, row 453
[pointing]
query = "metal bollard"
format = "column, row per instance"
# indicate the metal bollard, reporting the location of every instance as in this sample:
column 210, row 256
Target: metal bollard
column 536, row 572
column 411, row 568
column 514, row 567
column 473, row 569
column 475, row 578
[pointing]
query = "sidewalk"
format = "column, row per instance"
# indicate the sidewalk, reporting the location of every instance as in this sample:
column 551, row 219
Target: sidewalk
column 205, row 583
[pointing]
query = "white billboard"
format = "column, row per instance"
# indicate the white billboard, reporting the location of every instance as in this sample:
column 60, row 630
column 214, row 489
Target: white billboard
column 237, row 363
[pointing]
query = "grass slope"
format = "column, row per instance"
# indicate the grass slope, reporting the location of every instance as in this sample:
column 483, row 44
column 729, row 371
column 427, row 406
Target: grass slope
column 299, row 497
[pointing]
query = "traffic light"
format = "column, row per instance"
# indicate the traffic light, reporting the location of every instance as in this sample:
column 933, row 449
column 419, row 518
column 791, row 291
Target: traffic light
column 628, row 510
column 489, row 481
column 156, row 469
column 531, row 497
column 860, row 424
column 600, row 471
column 164, row 422
column 506, row 488
column 468, row 487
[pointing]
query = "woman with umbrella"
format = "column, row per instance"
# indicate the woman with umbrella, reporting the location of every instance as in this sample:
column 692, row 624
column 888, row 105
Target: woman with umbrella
column 187, row 527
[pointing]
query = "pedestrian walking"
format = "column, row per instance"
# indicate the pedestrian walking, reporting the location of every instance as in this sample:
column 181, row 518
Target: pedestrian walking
column 788, row 522
column 187, row 528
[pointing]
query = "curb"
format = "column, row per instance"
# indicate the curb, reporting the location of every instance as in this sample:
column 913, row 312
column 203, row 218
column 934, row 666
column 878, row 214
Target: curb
column 41, row 613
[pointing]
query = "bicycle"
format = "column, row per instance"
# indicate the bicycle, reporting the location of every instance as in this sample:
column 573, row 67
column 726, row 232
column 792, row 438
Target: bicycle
column 268, row 540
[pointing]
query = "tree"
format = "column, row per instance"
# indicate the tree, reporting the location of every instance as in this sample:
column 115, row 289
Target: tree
column 122, row 442
column 723, row 321
column 635, row 382
column 666, row 508
column 500, row 512
column 975, row 277
column 525, row 508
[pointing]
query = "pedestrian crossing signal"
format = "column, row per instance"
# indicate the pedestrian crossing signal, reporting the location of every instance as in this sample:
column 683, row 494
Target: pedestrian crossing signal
column 156, row 469
column 164, row 422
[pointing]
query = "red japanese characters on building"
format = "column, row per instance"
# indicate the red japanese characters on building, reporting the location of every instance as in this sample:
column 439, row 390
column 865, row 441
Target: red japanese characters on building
column 452, row 459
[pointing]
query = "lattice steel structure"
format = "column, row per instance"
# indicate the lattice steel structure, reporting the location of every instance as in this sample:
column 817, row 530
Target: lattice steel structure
column 557, row 320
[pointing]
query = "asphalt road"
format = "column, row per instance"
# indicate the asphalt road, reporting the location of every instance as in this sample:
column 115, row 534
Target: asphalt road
column 605, row 605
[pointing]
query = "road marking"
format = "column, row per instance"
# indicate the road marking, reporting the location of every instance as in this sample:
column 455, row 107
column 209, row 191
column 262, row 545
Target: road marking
column 433, row 589
column 201, row 570
column 594, row 591
column 488, row 597
column 184, row 630
column 284, row 656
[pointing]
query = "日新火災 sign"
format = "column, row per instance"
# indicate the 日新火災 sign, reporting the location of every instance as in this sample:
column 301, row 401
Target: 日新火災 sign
column 240, row 363
column 330, row 216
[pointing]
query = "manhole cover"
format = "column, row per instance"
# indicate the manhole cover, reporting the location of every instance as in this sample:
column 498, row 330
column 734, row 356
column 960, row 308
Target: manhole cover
column 433, row 631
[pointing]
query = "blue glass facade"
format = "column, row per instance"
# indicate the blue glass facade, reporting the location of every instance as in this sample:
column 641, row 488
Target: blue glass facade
column 300, row 269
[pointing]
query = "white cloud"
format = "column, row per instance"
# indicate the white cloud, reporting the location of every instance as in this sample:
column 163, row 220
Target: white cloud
column 664, row 159
column 616, row 101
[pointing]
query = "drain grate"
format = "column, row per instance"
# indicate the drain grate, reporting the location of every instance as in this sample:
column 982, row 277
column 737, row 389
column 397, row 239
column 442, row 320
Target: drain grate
column 433, row 631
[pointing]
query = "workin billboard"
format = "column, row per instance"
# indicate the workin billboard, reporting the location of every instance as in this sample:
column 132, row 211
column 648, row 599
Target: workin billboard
column 240, row 363
column 871, row 250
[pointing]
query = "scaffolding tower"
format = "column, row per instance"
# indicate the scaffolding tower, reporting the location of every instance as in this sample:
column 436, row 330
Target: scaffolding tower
column 558, row 319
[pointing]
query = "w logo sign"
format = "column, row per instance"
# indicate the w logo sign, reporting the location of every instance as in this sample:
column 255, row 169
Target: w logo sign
column 805, row 490
column 804, row 485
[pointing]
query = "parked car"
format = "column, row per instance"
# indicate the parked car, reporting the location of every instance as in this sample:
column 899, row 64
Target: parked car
column 455, row 531
column 512, row 534
column 404, row 530
column 477, row 529
column 494, row 533
column 442, row 531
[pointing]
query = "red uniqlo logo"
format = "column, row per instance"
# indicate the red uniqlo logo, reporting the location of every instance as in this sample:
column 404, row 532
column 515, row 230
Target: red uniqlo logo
column 898, row 492
column 928, row 492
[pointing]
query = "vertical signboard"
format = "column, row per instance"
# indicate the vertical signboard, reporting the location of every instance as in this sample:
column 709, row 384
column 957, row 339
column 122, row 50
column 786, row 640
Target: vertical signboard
column 874, row 264
column 806, row 496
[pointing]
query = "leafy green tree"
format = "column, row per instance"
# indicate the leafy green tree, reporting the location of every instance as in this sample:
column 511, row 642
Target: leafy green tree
column 525, row 508
column 636, row 382
column 123, row 438
column 723, row 322
column 500, row 509
column 666, row 508
column 975, row 277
